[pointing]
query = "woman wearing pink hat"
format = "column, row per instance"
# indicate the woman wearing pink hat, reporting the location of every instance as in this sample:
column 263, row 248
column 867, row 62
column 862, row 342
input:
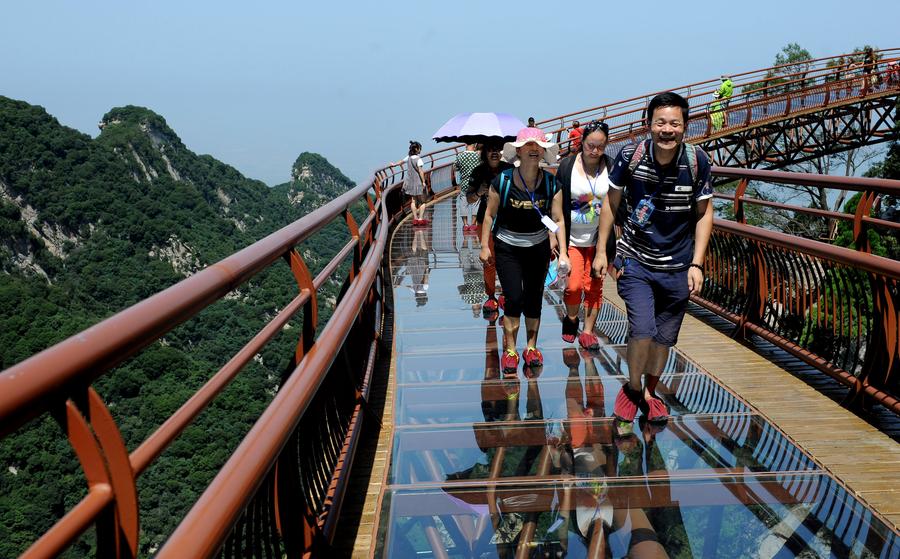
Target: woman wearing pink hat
column 524, row 211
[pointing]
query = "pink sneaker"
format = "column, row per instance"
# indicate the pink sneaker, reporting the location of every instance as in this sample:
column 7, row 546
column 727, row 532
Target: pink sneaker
column 626, row 406
column 533, row 357
column 509, row 362
column 589, row 341
column 490, row 305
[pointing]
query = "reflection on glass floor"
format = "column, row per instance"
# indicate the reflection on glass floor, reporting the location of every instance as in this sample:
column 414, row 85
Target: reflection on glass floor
column 483, row 466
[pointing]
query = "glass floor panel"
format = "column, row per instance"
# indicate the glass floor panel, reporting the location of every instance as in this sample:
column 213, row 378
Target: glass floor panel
column 550, row 398
column 535, row 466
column 585, row 447
column 790, row 515
column 441, row 366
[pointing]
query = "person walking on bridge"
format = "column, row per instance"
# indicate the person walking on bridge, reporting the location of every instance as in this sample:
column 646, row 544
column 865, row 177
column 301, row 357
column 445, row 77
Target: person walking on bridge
column 725, row 91
column 575, row 138
column 524, row 209
column 414, row 182
column 583, row 179
column 666, row 187
column 479, row 186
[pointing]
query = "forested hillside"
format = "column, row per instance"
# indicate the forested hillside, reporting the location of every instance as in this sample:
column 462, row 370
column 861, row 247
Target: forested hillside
column 89, row 226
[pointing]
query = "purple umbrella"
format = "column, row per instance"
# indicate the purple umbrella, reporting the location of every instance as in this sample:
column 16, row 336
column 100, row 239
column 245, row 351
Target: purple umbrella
column 474, row 128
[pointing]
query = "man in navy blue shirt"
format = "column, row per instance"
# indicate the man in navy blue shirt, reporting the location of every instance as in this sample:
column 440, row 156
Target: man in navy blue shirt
column 665, row 186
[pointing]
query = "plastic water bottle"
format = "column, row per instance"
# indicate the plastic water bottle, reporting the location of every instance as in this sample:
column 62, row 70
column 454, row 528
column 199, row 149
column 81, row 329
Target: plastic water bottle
column 562, row 275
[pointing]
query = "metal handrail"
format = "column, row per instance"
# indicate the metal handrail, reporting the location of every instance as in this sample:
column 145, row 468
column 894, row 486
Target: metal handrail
column 706, row 88
column 871, row 187
column 833, row 307
column 26, row 387
column 210, row 520
column 38, row 384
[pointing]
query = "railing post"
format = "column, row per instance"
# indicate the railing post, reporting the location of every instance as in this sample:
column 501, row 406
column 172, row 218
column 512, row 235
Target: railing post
column 354, row 234
column 860, row 235
column 757, row 292
column 296, row 519
column 310, row 310
column 739, row 201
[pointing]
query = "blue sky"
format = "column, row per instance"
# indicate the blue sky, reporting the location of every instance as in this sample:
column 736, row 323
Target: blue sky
column 255, row 84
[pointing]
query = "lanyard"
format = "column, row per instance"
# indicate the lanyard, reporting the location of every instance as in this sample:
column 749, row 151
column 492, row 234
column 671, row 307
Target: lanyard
column 530, row 192
column 588, row 179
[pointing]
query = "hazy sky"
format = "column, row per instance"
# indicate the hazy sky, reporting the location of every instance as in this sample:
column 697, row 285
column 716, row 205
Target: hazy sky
column 256, row 83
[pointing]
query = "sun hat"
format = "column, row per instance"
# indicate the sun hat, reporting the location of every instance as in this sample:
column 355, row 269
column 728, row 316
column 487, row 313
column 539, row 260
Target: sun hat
column 535, row 135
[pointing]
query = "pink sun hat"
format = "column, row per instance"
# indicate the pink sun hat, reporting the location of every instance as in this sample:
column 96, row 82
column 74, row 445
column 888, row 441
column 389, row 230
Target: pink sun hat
column 536, row 135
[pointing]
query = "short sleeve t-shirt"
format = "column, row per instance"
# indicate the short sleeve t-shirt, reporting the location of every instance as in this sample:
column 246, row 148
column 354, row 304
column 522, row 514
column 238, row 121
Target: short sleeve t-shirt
column 659, row 230
column 587, row 196
column 519, row 214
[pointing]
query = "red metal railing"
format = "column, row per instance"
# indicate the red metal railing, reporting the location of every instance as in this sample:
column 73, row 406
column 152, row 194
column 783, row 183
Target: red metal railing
column 833, row 307
column 287, row 486
column 280, row 492
column 763, row 95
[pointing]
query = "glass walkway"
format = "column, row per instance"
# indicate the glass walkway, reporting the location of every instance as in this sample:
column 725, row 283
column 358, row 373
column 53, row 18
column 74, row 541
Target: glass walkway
column 533, row 467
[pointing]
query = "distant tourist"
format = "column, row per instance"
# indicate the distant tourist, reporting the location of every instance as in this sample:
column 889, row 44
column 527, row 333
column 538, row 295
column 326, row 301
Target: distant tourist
column 716, row 113
column 722, row 97
column 575, row 138
column 531, row 122
column 465, row 163
column 869, row 60
column 665, row 186
column 725, row 91
column 477, row 192
column 414, row 182
column 524, row 211
column 583, row 179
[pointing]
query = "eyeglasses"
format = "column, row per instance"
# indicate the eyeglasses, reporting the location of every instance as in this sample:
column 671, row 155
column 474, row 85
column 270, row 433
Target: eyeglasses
column 591, row 147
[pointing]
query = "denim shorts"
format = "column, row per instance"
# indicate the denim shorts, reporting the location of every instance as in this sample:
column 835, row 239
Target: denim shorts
column 655, row 301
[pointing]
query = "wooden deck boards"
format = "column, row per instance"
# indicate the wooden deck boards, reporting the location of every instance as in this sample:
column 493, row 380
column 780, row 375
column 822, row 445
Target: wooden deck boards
column 864, row 460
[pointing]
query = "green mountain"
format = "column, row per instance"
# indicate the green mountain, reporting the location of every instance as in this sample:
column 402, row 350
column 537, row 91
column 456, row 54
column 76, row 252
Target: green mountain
column 89, row 226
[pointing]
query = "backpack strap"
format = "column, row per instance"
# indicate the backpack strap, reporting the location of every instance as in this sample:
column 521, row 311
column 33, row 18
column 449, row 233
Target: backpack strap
column 693, row 167
column 505, row 182
column 636, row 157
